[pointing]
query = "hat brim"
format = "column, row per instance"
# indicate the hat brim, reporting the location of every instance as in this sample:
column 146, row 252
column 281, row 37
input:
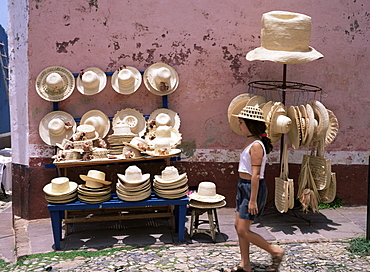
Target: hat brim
column 131, row 89
column 48, row 189
column 172, row 152
column 294, row 132
column 322, row 117
column 87, row 178
column 332, row 131
column 153, row 89
column 175, row 139
column 141, row 125
column 311, row 124
column 51, row 95
column 202, row 205
column 54, row 139
column 143, row 196
column 144, row 177
column 102, row 82
column 103, row 130
column 174, row 116
column 209, row 199
column 284, row 57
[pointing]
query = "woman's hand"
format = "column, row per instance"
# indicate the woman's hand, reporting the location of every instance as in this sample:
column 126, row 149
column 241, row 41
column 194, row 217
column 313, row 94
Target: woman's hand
column 252, row 207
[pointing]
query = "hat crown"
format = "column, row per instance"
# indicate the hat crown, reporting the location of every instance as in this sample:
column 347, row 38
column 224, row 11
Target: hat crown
column 122, row 128
column 283, row 124
column 163, row 74
column 170, row 173
column 207, row 188
column 162, row 119
column 252, row 112
column 138, row 141
column 163, row 132
column 133, row 173
column 126, row 78
column 54, row 81
column 286, row 31
column 131, row 121
column 89, row 130
column 56, row 127
column 90, row 80
column 95, row 121
column 60, row 185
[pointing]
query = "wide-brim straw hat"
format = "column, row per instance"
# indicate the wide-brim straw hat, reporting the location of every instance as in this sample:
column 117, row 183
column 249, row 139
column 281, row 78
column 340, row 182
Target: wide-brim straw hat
column 322, row 117
column 169, row 174
column 126, row 80
column 175, row 138
column 172, row 185
column 311, row 124
column 161, row 79
column 252, row 113
column 93, row 200
column 172, row 195
column 95, row 176
column 171, row 152
column 294, row 134
column 332, row 131
column 206, row 193
column 86, row 191
column 202, row 205
column 285, row 38
column 173, row 191
column 142, row 196
column 278, row 122
column 91, row 81
column 55, row 83
column 99, row 120
column 133, row 175
column 53, row 127
column 60, row 187
column 174, row 117
column 68, row 199
column 134, row 118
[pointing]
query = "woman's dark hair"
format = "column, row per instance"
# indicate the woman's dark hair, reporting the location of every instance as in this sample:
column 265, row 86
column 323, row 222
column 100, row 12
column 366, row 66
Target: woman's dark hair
column 258, row 128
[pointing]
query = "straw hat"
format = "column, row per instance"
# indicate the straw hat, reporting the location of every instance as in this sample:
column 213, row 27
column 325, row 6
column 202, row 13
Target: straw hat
column 91, row 81
column 169, row 175
column 60, row 186
column 311, row 124
column 55, row 83
column 163, row 142
column 279, row 123
column 133, row 118
column 99, row 120
column 206, row 193
column 332, row 131
column 137, row 143
column 95, row 179
column 322, row 117
column 129, row 152
column 167, row 117
column 88, row 131
column 133, row 175
column 161, row 79
column 202, row 205
column 126, row 80
column 285, row 38
column 174, row 136
column 294, row 134
column 56, row 126
column 252, row 113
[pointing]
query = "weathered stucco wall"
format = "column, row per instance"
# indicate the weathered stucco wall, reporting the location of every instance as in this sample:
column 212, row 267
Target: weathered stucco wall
column 206, row 42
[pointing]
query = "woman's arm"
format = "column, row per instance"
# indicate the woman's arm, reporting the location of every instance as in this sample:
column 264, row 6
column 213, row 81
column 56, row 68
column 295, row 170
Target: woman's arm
column 256, row 152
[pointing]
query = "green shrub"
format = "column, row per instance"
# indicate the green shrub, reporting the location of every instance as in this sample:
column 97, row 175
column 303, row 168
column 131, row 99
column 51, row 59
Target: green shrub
column 335, row 204
column 359, row 246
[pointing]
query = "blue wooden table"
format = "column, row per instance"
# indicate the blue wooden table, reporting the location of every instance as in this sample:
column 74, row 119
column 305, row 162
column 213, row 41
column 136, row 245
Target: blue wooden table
column 57, row 211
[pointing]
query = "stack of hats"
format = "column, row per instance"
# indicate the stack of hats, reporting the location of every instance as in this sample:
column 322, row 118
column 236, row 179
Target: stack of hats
column 96, row 189
column 206, row 197
column 122, row 133
column 170, row 184
column 163, row 123
column 60, row 190
column 133, row 185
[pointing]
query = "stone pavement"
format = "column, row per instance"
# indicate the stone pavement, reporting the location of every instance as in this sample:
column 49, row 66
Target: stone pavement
column 313, row 242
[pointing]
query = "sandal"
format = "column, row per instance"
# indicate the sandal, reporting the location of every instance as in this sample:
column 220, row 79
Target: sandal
column 276, row 261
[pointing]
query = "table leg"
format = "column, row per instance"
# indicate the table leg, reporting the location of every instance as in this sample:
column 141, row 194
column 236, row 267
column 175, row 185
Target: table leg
column 180, row 217
column 56, row 223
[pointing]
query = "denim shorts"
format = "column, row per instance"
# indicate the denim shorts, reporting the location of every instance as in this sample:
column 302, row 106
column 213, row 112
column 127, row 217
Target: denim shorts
column 243, row 195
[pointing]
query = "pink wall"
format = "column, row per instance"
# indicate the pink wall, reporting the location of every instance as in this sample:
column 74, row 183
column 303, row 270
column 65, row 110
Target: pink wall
column 206, row 42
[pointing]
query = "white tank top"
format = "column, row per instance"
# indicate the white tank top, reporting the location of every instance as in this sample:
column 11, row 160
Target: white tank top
column 245, row 163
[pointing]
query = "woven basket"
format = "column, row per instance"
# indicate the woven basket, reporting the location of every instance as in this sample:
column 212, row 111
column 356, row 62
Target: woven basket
column 327, row 195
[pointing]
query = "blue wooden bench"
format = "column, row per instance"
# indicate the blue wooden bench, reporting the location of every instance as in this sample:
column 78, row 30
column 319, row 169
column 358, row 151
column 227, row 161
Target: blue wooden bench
column 57, row 212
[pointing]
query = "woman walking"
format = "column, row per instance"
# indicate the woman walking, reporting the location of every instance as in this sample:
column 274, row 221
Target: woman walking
column 252, row 191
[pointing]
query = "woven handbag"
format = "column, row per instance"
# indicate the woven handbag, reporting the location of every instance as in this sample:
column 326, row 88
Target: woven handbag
column 327, row 195
column 284, row 187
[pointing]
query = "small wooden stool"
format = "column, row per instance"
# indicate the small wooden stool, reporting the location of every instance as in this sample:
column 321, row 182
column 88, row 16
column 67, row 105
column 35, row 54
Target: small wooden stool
column 212, row 221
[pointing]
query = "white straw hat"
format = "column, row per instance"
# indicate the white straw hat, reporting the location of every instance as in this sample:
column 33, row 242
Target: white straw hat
column 285, row 38
column 133, row 175
column 60, row 186
column 163, row 112
column 55, row 83
column 98, row 119
column 169, row 175
column 207, row 193
column 56, row 126
column 134, row 118
column 161, row 79
column 95, row 179
column 91, row 81
column 126, row 80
